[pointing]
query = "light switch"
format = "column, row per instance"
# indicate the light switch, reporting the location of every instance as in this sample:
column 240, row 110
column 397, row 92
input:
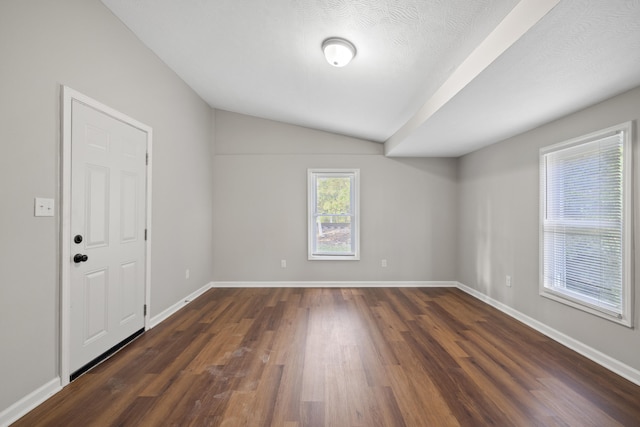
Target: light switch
column 44, row 207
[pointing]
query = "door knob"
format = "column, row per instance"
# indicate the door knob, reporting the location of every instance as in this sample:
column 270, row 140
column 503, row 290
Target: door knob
column 78, row 258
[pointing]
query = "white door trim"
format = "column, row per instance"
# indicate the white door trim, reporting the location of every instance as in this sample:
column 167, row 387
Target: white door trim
column 67, row 95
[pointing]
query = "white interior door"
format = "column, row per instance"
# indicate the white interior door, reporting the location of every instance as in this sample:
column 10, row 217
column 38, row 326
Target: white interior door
column 107, row 233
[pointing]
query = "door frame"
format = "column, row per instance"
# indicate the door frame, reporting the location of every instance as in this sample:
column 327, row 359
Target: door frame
column 67, row 95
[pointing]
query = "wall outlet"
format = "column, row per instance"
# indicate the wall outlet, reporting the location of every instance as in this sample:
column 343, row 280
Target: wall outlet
column 508, row 281
column 43, row 207
column 383, row 263
column 187, row 273
column 283, row 263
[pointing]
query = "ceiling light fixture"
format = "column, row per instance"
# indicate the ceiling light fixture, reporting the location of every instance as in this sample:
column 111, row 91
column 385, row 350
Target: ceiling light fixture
column 339, row 52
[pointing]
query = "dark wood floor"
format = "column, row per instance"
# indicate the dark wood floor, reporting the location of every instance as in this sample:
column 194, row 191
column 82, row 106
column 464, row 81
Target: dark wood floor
column 342, row 357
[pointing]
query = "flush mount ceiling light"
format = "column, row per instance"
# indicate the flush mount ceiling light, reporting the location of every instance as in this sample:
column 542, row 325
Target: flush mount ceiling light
column 339, row 52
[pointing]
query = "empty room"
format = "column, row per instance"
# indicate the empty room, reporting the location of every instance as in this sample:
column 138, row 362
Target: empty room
column 319, row 213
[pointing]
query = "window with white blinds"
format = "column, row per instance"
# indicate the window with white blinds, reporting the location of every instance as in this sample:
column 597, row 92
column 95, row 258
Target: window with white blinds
column 585, row 223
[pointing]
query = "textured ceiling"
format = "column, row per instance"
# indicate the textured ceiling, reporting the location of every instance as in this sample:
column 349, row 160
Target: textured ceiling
column 263, row 58
column 581, row 53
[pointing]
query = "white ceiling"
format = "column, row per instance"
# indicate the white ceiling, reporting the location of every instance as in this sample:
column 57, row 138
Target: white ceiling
column 430, row 78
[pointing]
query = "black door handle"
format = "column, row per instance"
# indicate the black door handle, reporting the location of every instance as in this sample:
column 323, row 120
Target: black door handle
column 78, row 258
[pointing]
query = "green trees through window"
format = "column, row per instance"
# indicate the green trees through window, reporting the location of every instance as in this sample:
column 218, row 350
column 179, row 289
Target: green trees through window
column 334, row 197
column 333, row 208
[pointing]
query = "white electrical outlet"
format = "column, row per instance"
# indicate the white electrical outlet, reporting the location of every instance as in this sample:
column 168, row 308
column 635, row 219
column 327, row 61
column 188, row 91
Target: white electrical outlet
column 283, row 263
column 43, row 207
column 187, row 273
column 383, row 263
column 508, row 281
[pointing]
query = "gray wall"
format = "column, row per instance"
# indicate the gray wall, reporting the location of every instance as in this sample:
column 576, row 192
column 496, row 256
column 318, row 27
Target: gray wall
column 260, row 192
column 79, row 43
column 498, row 227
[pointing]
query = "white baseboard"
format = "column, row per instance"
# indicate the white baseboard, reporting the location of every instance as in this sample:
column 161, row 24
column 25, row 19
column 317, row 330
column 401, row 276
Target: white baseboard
column 29, row 402
column 600, row 358
column 157, row 319
column 352, row 284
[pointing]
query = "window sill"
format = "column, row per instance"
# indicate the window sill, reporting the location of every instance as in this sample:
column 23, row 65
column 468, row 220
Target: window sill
column 623, row 320
column 334, row 257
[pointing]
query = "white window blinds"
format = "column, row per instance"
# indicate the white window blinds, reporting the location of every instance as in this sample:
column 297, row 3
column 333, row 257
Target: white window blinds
column 584, row 221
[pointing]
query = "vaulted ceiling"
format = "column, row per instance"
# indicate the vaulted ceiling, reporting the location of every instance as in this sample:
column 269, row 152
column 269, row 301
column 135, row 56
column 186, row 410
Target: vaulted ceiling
column 430, row 77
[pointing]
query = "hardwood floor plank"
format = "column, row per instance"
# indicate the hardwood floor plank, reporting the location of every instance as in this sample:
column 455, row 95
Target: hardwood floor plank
column 250, row 374
column 180, row 405
column 134, row 414
column 420, row 402
column 359, row 397
column 216, row 352
column 389, row 323
column 313, row 414
column 498, row 390
column 336, row 411
column 504, row 390
column 317, row 338
column 390, row 413
column 237, row 412
column 571, row 407
column 461, row 394
column 263, row 406
column 217, row 310
column 342, row 357
column 172, row 367
column 288, row 403
column 446, row 335
column 514, row 365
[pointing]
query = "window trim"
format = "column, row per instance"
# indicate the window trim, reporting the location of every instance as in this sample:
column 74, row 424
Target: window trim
column 626, row 317
column 355, row 226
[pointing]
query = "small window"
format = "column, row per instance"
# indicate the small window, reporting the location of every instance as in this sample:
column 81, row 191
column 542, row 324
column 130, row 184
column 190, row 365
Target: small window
column 333, row 206
column 585, row 229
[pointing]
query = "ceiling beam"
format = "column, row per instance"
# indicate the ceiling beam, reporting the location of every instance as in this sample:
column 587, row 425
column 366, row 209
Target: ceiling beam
column 520, row 20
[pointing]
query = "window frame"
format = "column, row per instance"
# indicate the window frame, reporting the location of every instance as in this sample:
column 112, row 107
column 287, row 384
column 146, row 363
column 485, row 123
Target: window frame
column 312, row 175
column 574, row 299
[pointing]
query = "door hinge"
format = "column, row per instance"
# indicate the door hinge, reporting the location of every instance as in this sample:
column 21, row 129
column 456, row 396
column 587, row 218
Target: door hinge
column 145, row 234
column 145, row 310
column 147, row 159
